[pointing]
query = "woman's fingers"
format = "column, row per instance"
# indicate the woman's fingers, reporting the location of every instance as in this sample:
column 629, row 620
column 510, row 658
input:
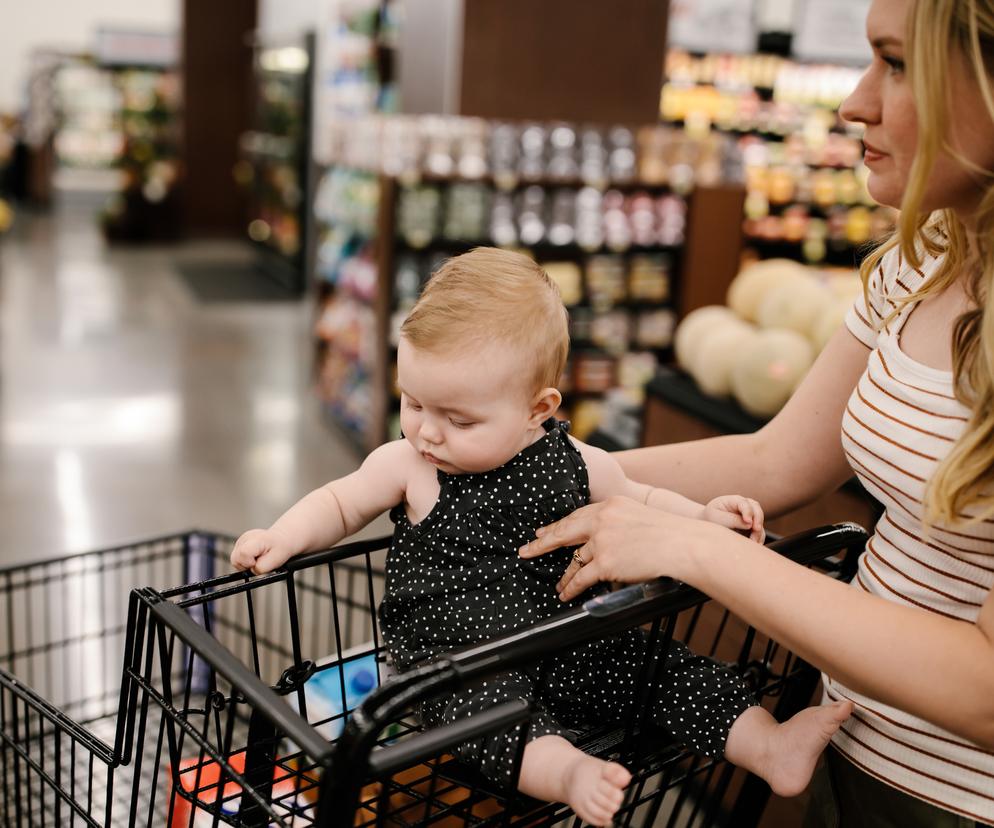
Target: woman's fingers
column 570, row 531
column 583, row 553
column 580, row 581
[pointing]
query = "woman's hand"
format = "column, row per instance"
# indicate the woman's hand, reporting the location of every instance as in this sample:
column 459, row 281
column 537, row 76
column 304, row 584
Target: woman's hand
column 622, row 540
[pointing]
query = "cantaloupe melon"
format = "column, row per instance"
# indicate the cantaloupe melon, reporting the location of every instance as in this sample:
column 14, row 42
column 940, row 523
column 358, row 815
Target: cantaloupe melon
column 794, row 305
column 747, row 290
column 831, row 318
column 768, row 370
column 694, row 324
column 716, row 353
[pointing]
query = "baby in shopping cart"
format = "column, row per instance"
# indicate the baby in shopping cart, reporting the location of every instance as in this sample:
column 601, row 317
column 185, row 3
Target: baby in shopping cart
column 483, row 463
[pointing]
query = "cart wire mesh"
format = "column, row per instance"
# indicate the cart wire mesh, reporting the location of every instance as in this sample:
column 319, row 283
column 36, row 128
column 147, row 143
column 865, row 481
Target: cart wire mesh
column 269, row 700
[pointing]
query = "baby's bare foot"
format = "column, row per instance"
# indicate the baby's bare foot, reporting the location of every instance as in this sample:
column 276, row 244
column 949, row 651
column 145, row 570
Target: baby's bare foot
column 595, row 788
column 795, row 745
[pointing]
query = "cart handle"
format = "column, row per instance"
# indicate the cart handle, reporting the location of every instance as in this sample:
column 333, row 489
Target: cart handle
column 617, row 611
column 248, row 684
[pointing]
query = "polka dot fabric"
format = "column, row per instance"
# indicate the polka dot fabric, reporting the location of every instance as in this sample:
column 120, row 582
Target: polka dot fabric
column 455, row 579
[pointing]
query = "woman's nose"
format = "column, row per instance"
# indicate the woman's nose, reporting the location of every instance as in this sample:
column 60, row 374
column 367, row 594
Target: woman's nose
column 862, row 106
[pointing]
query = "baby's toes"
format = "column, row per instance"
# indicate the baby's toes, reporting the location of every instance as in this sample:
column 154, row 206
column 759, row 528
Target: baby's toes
column 616, row 776
column 599, row 816
column 593, row 813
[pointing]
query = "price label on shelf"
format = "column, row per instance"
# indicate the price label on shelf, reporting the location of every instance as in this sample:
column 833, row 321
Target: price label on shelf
column 713, row 25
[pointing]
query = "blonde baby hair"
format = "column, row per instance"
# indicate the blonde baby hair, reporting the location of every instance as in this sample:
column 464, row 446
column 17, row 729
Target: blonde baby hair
column 494, row 296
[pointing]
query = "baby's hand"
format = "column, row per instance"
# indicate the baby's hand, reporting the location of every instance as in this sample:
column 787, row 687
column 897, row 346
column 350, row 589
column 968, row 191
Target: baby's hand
column 261, row 551
column 737, row 512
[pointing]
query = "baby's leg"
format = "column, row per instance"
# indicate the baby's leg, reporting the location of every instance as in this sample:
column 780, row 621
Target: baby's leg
column 494, row 755
column 556, row 771
column 552, row 769
column 707, row 707
column 784, row 754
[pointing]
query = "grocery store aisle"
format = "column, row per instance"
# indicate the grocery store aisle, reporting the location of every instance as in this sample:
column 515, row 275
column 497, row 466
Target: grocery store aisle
column 128, row 409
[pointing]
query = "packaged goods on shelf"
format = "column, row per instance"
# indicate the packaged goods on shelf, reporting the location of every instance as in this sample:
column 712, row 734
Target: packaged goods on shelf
column 413, row 149
column 605, row 209
column 805, row 180
column 10, row 130
column 117, row 130
column 275, row 157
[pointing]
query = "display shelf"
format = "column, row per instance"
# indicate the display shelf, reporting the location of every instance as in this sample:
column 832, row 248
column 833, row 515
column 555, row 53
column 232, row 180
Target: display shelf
column 148, row 206
column 806, row 195
column 9, row 130
column 116, row 131
column 645, row 324
column 275, row 158
column 621, row 252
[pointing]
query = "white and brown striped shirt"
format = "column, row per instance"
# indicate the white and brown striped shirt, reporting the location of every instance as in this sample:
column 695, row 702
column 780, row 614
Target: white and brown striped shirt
column 901, row 419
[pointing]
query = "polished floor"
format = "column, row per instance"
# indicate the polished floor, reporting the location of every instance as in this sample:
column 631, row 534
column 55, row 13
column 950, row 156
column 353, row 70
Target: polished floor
column 128, row 409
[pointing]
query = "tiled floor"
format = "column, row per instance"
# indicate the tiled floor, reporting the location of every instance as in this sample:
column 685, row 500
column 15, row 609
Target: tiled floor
column 129, row 409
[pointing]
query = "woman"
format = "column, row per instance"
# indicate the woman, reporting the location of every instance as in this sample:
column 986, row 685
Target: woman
column 909, row 384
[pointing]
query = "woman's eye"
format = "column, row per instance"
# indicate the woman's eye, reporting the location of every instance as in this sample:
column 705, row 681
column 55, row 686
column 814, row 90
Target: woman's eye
column 896, row 65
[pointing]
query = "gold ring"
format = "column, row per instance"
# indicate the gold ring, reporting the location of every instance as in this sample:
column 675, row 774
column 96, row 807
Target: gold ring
column 577, row 559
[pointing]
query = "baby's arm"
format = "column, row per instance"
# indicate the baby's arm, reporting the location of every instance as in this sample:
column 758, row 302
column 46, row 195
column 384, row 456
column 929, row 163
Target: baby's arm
column 333, row 512
column 607, row 479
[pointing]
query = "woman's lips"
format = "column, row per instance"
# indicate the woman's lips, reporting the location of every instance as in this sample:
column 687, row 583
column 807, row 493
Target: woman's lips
column 872, row 154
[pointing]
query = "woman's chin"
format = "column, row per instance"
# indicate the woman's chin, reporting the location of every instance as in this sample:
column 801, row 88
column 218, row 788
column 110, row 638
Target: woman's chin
column 883, row 192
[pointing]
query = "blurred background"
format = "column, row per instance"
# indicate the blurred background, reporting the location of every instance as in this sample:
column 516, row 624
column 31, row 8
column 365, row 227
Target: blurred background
column 214, row 216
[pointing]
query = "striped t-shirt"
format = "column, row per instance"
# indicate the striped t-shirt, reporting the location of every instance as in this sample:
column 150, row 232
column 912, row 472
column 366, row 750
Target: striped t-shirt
column 901, row 419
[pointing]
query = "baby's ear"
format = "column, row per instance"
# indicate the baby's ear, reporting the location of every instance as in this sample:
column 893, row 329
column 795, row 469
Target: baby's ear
column 544, row 405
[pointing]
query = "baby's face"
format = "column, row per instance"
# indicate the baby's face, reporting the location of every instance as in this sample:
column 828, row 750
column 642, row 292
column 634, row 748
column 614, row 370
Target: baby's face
column 465, row 412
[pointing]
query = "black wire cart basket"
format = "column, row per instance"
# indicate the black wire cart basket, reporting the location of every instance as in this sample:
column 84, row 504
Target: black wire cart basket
column 268, row 701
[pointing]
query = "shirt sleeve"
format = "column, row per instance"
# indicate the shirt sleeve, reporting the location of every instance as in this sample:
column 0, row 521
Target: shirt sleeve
column 867, row 314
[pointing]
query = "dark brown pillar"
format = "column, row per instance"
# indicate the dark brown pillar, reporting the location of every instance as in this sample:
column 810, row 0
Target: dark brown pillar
column 575, row 60
column 217, row 100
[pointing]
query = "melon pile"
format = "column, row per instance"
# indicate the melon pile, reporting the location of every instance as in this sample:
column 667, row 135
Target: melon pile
column 758, row 348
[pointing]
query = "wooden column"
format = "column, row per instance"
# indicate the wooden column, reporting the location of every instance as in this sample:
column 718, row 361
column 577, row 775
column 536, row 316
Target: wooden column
column 217, row 101
column 713, row 247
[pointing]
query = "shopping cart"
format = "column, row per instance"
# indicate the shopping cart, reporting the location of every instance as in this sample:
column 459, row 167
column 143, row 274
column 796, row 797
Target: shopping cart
column 257, row 701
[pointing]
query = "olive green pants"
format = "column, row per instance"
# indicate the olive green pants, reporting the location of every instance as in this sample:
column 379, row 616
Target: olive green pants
column 843, row 796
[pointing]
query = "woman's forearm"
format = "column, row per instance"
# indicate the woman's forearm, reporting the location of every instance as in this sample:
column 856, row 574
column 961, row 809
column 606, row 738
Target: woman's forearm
column 705, row 469
column 690, row 468
column 936, row 668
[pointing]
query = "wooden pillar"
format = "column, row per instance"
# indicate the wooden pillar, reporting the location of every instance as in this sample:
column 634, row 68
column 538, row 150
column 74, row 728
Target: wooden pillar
column 713, row 248
column 217, row 103
column 574, row 60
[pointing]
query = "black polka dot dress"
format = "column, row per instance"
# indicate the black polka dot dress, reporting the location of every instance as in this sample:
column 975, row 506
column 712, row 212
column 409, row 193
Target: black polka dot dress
column 455, row 579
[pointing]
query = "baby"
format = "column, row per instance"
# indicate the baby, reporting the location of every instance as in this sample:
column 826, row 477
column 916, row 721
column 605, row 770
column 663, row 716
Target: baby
column 483, row 463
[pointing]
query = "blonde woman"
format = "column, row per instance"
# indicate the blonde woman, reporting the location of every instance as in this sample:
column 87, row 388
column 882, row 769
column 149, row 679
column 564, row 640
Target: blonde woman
column 908, row 383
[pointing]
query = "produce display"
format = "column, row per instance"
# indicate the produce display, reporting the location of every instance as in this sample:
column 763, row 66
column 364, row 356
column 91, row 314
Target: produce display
column 758, row 348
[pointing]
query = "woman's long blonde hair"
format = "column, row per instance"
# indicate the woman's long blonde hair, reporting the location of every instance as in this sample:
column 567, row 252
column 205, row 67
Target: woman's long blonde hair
column 937, row 30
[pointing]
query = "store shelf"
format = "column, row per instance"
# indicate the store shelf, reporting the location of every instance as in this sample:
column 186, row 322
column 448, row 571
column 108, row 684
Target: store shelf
column 275, row 158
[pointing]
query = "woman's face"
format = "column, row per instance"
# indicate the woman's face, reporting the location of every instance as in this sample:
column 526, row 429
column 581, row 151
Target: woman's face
column 884, row 102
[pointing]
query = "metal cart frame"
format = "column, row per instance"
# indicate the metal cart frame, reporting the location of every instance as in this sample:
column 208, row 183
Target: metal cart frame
column 191, row 705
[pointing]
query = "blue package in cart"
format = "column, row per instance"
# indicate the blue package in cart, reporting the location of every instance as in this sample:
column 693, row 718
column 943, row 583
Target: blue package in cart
column 337, row 687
